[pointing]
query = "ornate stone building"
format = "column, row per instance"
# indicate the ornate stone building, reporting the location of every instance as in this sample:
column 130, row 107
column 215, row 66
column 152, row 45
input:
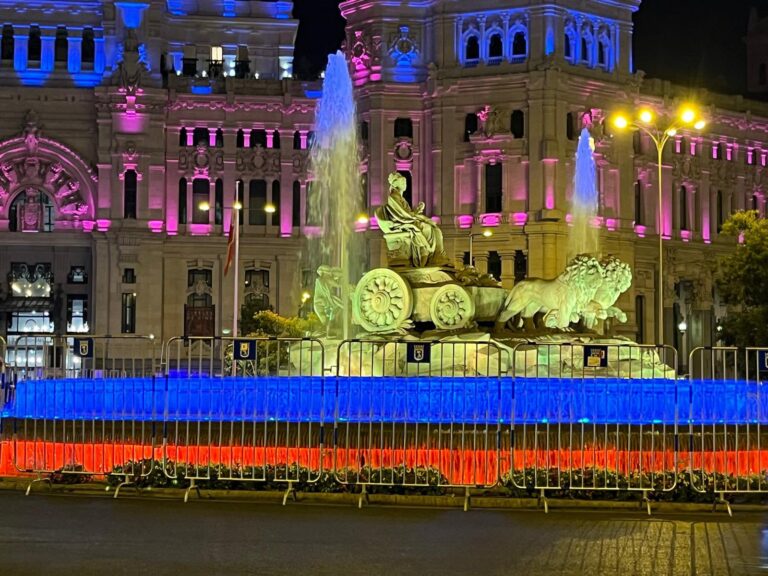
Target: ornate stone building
column 119, row 119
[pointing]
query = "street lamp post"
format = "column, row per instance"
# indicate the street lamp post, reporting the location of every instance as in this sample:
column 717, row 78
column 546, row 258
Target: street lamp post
column 687, row 117
column 485, row 234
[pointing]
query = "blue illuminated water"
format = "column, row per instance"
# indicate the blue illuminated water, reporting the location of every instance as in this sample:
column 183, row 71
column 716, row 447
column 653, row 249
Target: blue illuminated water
column 393, row 400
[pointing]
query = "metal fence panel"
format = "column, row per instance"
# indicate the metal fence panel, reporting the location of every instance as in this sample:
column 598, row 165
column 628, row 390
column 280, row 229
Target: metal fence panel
column 727, row 437
column 82, row 356
column 417, row 414
column 593, row 417
column 83, row 426
column 255, row 420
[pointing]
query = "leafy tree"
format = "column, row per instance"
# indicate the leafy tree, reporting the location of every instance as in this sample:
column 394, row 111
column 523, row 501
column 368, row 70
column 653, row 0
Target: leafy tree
column 742, row 281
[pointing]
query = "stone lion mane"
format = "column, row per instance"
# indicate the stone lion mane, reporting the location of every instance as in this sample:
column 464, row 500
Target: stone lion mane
column 560, row 300
column 617, row 280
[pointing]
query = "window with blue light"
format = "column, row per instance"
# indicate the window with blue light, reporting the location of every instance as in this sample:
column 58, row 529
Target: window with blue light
column 519, row 45
column 495, row 48
column 88, row 48
column 6, row 44
column 61, row 48
column 472, row 50
column 34, row 46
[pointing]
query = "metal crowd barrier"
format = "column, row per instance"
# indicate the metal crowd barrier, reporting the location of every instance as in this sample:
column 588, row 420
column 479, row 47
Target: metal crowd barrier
column 728, row 411
column 83, row 356
column 78, row 406
column 405, row 407
column 573, row 429
column 262, row 426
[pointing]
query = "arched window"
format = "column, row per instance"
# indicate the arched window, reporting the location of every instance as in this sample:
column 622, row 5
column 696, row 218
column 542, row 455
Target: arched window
column 183, row 137
column 276, row 139
column 6, row 45
column 31, row 211
column 297, row 140
column 219, row 138
column 218, row 203
column 603, row 53
column 639, row 212
column 182, row 201
column 521, row 265
column 276, row 202
column 472, row 50
column 34, row 47
column 258, row 138
column 756, row 203
column 495, row 48
column 408, row 194
column 129, row 194
column 568, row 45
column 519, row 45
column 88, row 47
column 296, row 205
column 403, row 128
column 470, row 126
column 60, row 47
column 257, row 199
column 517, row 124
column 762, row 74
column 240, row 139
column 201, row 192
column 584, row 56
column 683, row 208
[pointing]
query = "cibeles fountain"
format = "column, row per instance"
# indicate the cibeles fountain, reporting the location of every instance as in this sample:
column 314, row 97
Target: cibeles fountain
column 422, row 296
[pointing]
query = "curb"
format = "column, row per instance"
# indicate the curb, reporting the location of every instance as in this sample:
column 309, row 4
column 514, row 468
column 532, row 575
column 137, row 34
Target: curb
column 352, row 499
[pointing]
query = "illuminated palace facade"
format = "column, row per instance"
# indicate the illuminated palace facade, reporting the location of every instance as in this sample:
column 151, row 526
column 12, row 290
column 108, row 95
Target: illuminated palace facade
column 119, row 119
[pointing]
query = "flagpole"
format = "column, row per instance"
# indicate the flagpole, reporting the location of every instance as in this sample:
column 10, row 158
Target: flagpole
column 236, row 223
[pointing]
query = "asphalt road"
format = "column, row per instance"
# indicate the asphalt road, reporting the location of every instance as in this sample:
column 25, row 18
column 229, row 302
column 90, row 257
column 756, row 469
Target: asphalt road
column 72, row 534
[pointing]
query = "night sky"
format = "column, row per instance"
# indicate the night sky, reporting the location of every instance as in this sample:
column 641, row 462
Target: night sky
column 695, row 43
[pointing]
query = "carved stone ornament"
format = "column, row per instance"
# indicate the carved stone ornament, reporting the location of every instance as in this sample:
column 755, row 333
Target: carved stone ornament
column 403, row 49
column 360, row 53
column 404, row 151
column 686, row 167
column 383, row 301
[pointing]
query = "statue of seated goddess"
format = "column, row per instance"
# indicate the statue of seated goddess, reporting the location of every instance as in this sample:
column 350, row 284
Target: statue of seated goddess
column 412, row 238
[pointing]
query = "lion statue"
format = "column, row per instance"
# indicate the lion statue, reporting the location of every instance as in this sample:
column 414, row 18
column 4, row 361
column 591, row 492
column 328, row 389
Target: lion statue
column 560, row 300
column 617, row 280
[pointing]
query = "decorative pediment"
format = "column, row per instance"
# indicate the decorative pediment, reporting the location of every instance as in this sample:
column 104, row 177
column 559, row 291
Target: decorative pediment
column 32, row 162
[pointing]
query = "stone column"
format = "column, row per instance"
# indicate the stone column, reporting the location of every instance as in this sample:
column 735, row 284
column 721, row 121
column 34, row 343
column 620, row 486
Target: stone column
column 98, row 57
column 48, row 43
column 481, row 262
column 20, row 47
column 75, row 53
column 507, row 269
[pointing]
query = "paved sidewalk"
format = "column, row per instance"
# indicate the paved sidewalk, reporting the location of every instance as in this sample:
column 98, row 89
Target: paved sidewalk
column 74, row 534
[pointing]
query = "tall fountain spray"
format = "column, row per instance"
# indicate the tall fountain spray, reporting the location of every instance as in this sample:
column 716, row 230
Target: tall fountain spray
column 584, row 235
column 336, row 197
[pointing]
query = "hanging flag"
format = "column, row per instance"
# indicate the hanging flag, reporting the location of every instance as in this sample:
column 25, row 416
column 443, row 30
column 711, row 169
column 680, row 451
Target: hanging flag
column 231, row 241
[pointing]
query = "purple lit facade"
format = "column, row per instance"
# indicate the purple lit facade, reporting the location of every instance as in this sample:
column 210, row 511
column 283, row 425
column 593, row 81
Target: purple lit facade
column 140, row 111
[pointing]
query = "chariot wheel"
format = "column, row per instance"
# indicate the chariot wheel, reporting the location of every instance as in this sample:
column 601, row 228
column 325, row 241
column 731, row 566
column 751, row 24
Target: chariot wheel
column 451, row 307
column 383, row 301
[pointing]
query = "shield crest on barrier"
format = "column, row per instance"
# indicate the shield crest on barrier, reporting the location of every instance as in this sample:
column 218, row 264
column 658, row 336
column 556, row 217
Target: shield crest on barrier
column 84, row 347
column 419, row 353
column 245, row 350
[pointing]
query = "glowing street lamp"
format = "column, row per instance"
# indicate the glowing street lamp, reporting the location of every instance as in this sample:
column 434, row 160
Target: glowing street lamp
column 485, row 233
column 687, row 117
